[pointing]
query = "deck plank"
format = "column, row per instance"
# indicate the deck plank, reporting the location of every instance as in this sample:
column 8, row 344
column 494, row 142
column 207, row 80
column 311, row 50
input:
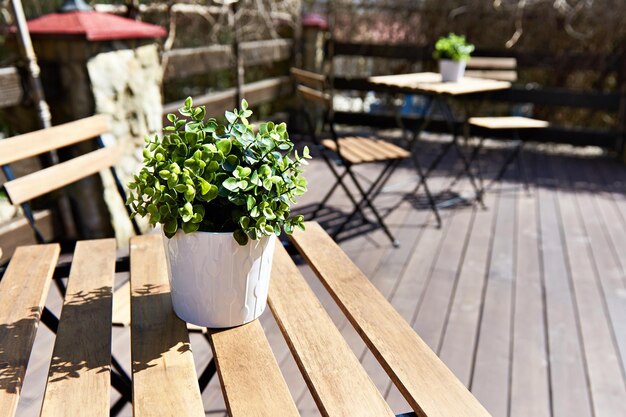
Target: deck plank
column 568, row 380
column 80, row 373
column 460, row 336
column 164, row 376
column 23, row 290
column 530, row 385
column 491, row 377
column 585, row 250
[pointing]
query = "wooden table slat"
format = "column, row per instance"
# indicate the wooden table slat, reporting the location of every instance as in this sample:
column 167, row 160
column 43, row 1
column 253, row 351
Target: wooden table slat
column 79, row 379
column 23, row 291
column 164, row 376
column 428, row 385
column 338, row 382
column 250, row 378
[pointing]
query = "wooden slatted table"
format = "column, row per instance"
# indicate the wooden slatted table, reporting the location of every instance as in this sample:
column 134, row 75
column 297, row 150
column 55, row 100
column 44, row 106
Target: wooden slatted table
column 431, row 85
column 164, row 377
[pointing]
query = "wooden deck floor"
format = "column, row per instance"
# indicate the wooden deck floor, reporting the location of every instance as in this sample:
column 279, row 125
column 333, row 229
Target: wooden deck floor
column 524, row 300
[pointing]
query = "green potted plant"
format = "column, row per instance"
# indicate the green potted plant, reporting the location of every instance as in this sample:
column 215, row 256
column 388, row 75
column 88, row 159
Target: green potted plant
column 452, row 51
column 222, row 194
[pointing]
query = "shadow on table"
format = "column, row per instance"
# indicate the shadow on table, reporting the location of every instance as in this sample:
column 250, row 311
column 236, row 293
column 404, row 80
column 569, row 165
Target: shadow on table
column 13, row 337
column 159, row 331
column 86, row 314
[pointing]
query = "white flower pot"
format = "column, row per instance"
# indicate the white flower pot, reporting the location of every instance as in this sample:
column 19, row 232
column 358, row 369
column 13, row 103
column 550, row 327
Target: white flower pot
column 216, row 282
column 451, row 71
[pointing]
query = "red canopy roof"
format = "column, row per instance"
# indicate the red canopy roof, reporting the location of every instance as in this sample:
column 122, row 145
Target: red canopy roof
column 95, row 26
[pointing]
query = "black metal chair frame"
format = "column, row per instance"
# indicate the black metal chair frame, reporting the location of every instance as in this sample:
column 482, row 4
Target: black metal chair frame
column 366, row 196
column 437, row 101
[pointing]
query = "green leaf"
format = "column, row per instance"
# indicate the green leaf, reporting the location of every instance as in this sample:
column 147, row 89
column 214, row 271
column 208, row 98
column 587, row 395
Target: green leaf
column 170, row 227
column 190, row 227
column 230, row 116
column 211, row 194
column 224, row 145
column 231, row 184
column 241, row 237
column 244, row 104
column 250, row 202
column 212, row 166
column 188, row 102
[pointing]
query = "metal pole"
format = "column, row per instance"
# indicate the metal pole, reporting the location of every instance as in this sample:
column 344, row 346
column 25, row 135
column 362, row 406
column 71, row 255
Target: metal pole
column 43, row 110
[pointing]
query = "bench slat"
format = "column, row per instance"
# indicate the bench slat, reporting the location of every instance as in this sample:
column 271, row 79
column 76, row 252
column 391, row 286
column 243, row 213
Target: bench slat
column 79, row 378
column 164, row 376
column 23, row 291
column 338, row 382
column 249, row 375
column 121, row 309
column 52, row 178
column 30, row 144
column 428, row 385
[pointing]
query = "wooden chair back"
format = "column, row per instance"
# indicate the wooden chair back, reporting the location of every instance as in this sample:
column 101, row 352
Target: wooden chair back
column 22, row 190
column 311, row 87
column 30, row 186
column 494, row 68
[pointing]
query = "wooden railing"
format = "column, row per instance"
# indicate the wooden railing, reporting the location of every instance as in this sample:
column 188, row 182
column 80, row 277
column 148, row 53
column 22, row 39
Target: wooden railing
column 185, row 62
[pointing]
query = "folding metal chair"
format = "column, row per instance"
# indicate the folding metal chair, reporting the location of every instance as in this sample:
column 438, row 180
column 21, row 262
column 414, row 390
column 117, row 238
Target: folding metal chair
column 349, row 151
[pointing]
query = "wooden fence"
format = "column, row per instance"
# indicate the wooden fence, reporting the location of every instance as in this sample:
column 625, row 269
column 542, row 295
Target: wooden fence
column 187, row 62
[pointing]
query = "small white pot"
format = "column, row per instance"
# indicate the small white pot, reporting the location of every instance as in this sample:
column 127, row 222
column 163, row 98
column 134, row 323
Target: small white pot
column 451, row 71
column 215, row 282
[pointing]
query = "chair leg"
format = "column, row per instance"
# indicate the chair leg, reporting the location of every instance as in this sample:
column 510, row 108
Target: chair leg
column 373, row 190
column 510, row 158
column 429, row 196
column 322, row 203
column 367, row 201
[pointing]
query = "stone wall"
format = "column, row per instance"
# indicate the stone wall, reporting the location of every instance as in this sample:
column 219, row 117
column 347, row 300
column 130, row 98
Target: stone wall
column 126, row 85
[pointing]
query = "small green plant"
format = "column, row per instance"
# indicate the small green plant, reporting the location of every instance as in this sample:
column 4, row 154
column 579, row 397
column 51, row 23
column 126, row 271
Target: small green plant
column 208, row 176
column 453, row 47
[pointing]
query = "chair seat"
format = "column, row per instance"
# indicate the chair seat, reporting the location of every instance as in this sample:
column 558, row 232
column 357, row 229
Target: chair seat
column 508, row 122
column 359, row 150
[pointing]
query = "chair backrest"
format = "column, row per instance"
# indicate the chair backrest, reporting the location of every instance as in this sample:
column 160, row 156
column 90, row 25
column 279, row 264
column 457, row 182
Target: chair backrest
column 312, row 87
column 495, row 68
column 22, row 190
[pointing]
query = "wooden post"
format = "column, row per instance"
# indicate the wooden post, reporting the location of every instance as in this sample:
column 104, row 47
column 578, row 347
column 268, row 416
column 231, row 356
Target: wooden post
column 43, row 111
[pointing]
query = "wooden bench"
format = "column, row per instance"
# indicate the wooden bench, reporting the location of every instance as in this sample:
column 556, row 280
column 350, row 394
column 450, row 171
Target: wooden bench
column 164, row 376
